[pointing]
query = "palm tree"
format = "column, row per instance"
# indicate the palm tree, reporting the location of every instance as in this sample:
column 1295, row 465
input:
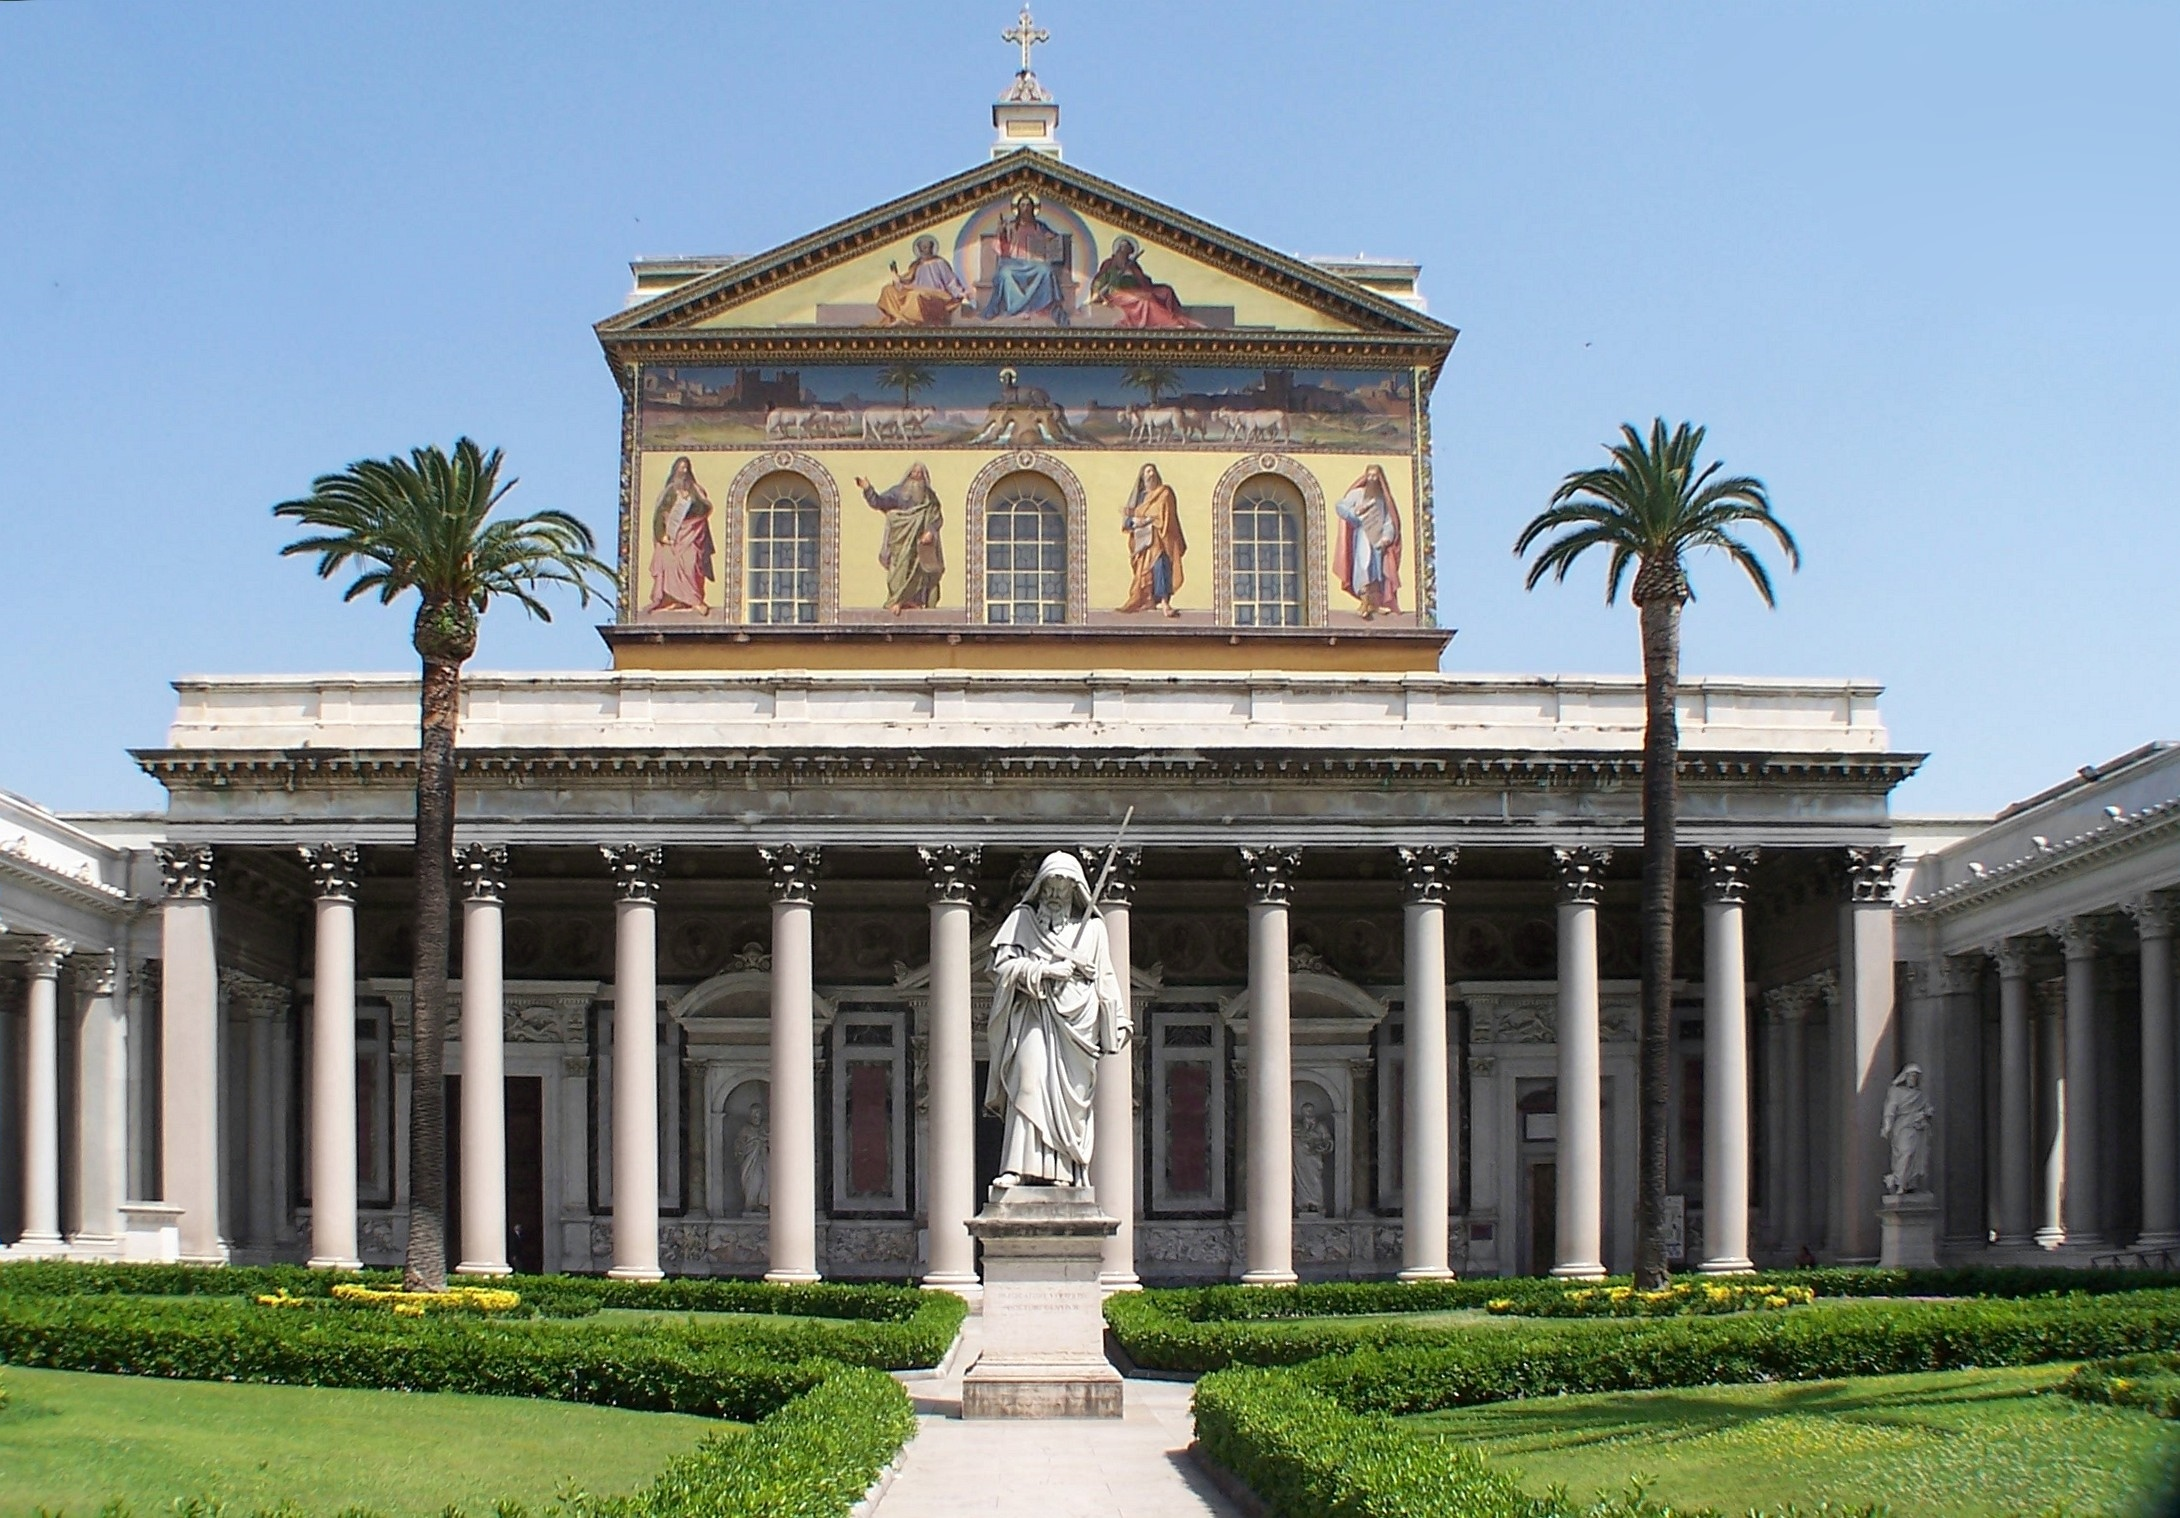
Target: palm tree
column 421, row 523
column 1650, row 507
column 907, row 378
column 1154, row 380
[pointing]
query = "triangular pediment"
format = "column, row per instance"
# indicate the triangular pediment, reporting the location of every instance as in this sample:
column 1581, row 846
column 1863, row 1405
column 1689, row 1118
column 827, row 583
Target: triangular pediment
column 969, row 253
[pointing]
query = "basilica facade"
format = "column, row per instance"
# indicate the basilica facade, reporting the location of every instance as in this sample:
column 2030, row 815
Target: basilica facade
column 973, row 527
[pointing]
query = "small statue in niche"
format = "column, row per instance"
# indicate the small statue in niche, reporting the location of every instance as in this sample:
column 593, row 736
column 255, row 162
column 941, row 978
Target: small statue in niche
column 1312, row 1148
column 753, row 1159
column 1908, row 1116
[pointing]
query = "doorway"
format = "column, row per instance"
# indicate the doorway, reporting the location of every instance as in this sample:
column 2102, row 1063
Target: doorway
column 523, row 1099
column 1543, row 1216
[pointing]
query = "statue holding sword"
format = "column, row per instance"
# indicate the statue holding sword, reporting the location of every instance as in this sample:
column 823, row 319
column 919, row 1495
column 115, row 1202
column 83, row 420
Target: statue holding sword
column 1057, row 1006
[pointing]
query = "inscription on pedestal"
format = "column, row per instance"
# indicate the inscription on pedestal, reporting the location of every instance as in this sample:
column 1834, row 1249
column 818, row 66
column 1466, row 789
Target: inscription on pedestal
column 1044, row 1331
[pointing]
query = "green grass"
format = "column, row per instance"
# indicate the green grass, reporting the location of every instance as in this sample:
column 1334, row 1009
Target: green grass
column 1956, row 1444
column 70, row 1442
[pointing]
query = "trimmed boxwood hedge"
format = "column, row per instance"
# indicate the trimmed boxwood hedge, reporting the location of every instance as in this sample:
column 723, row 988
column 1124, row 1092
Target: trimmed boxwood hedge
column 2150, row 1382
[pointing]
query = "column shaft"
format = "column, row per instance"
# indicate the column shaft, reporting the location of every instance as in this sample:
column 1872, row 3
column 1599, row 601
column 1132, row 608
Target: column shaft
column 189, row 1053
column 1725, row 1092
column 2016, row 1097
column 1271, row 1101
column 794, row 1097
column 1426, row 1147
column 1112, row 1151
column 2081, row 1212
column 483, row 1245
column 333, row 1087
column 1580, row 1182
column 102, row 1106
column 952, row 1189
column 2160, row 1204
column 42, row 1101
column 263, row 1208
column 635, row 1091
column 2051, row 1083
column 1794, row 1227
column 1866, row 1039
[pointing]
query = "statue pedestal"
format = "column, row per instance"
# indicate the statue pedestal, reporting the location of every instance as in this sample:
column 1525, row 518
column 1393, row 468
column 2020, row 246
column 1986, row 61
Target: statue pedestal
column 1908, row 1226
column 1044, row 1327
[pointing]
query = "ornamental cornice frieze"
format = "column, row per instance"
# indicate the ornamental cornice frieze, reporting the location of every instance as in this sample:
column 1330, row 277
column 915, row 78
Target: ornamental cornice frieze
column 2108, row 841
column 1015, row 345
column 76, row 891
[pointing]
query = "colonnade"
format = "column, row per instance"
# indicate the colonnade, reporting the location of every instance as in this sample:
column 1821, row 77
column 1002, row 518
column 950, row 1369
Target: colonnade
column 101, row 1098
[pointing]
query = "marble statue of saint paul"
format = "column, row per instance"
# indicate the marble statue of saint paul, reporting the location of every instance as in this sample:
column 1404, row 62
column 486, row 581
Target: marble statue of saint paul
column 1056, row 1007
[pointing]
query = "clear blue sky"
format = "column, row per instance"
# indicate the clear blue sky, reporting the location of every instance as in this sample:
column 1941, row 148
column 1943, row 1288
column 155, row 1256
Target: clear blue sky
column 1916, row 266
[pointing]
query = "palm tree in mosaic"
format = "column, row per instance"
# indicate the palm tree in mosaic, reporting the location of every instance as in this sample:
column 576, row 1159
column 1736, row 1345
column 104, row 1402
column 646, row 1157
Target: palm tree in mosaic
column 424, row 523
column 1650, row 508
column 1154, row 380
column 906, row 378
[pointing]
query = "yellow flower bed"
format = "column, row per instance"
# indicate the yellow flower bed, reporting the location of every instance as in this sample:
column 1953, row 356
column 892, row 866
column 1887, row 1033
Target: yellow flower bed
column 408, row 1304
column 1676, row 1299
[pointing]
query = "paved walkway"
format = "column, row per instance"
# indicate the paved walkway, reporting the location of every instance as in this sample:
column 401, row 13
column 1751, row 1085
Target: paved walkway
column 1130, row 1467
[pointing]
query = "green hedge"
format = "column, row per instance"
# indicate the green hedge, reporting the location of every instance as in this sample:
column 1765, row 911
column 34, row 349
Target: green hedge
column 814, row 1458
column 2150, row 1382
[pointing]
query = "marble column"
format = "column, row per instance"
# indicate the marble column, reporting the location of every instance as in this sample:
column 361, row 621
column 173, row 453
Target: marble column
column 636, row 876
column 2081, row 1211
column 2016, row 1093
column 335, row 871
column 1581, row 1093
column 41, row 1233
column 262, row 1005
column 1270, row 875
column 2052, row 1119
column 1866, row 1040
column 2153, row 916
column 102, row 1103
column 481, row 870
column 1725, row 1063
column 794, row 870
column 1426, row 1143
column 1771, row 1141
column 950, row 1193
column 1112, row 1153
column 1792, row 1005
column 189, row 1052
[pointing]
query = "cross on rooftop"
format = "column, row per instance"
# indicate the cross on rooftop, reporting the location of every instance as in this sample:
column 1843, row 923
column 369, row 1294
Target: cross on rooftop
column 1028, row 34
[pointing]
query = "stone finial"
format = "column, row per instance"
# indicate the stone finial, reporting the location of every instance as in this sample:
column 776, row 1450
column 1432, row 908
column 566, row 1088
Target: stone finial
column 1726, row 876
column 952, row 868
column 46, row 955
column 1428, row 870
column 336, row 869
column 1869, row 873
column 636, row 869
column 481, row 869
column 1270, row 873
column 794, row 870
column 1120, row 885
column 185, row 869
column 1581, row 875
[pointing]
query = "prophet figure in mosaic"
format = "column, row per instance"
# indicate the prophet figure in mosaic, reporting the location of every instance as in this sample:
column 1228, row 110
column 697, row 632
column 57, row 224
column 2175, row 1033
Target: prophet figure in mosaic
column 910, row 553
column 1156, row 545
column 753, row 1160
column 1908, row 1118
column 1056, row 1009
column 1026, row 276
column 681, row 542
column 1141, row 301
column 1366, row 560
column 926, row 294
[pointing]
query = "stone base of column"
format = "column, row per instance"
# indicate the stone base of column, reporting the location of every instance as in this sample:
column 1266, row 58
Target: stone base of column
column 94, row 1246
column 1726, row 1268
column 1588, row 1270
column 1269, row 1278
column 472, row 1268
column 790, row 1277
column 1112, row 1281
column 327, row 1262
column 641, row 1273
column 962, row 1284
column 1425, row 1273
column 2150, row 1243
column 1908, row 1231
column 1044, row 1332
column 39, row 1246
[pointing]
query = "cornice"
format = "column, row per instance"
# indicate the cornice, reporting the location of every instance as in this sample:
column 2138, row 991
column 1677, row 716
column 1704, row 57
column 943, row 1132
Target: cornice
column 95, row 895
column 967, row 345
column 2115, row 839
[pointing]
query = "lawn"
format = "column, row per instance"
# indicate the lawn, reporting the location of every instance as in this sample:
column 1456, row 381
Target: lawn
column 1959, row 1444
column 70, row 1442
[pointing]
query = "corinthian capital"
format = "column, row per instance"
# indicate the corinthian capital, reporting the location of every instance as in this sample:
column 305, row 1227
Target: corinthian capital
column 2153, row 914
column 952, row 868
column 481, row 869
column 1270, row 874
column 1580, row 875
column 1120, row 884
column 2012, row 958
column 794, row 870
column 1428, row 870
column 1870, row 872
column 97, row 973
column 335, row 870
column 2077, row 936
column 636, row 868
column 1726, row 874
column 46, row 955
column 185, row 869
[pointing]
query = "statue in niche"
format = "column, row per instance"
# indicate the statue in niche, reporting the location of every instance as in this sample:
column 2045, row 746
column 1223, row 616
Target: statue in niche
column 753, row 1159
column 1056, row 1008
column 1312, row 1149
column 1908, row 1116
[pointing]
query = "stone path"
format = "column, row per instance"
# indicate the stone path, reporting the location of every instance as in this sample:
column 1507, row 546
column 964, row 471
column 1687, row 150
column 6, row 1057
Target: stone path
column 1131, row 1467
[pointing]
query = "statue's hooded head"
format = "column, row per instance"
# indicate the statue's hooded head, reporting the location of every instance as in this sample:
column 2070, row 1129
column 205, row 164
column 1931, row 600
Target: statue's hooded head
column 1910, row 1075
column 1060, row 865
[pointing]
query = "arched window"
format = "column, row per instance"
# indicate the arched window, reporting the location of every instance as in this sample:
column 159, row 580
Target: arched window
column 1025, row 552
column 1267, row 553
column 783, row 539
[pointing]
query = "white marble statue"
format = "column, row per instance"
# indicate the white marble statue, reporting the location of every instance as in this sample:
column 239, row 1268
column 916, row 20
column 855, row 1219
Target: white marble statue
column 1312, row 1147
column 1908, row 1116
column 1056, row 1007
column 753, row 1158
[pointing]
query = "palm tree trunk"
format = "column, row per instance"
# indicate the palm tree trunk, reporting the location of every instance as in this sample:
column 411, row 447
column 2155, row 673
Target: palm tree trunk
column 1661, row 820
column 426, row 1269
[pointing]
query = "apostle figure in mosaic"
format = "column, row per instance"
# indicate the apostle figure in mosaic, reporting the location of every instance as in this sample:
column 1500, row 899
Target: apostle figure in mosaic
column 1029, row 256
column 926, row 294
column 1367, row 558
column 910, row 553
column 1312, row 1147
column 681, row 542
column 1908, row 1116
column 1152, row 521
column 1056, row 1008
column 1141, row 301
column 753, row 1160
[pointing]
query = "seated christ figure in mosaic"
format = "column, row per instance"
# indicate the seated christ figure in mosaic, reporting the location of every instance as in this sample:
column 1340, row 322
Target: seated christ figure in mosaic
column 1056, row 1007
